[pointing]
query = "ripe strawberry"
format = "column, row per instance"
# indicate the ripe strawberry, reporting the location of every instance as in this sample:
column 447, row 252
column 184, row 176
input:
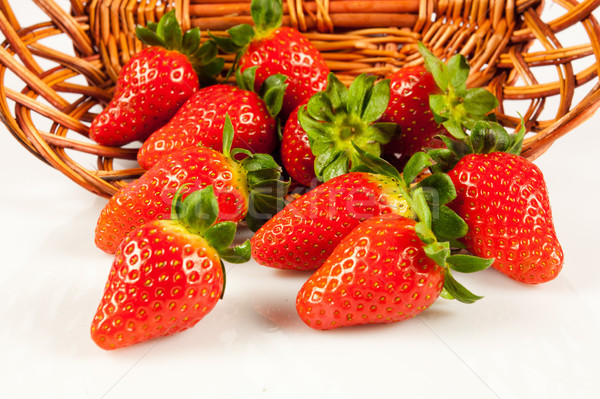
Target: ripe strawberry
column 296, row 155
column 167, row 275
column 154, row 83
column 432, row 100
column 304, row 233
column 410, row 88
column 379, row 273
column 504, row 201
column 276, row 49
column 389, row 267
column 248, row 189
column 200, row 121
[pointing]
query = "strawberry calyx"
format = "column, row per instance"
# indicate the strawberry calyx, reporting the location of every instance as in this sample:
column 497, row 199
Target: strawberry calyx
column 456, row 107
column 338, row 119
column 271, row 91
column 267, row 16
column 266, row 190
column 437, row 226
column 198, row 213
column 485, row 137
column 167, row 33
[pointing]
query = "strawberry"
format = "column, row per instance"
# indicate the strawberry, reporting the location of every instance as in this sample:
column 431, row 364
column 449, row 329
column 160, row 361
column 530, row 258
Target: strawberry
column 296, row 155
column 379, row 273
column 275, row 49
column 410, row 88
column 504, row 201
column 430, row 100
column 249, row 189
column 201, row 120
column 167, row 275
column 389, row 268
column 155, row 82
column 303, row 234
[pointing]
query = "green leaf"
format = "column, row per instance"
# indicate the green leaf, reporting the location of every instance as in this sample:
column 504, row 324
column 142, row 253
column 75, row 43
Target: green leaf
column 468, row 263
column 358, row 93
column 239, row 254
column 445, row 160
column 438, row 252
column 241, row 35
column 320, row 108
column 191, row 41
column 151, row 25
column 260, row 163
column 169, row 29
column 516, row 140
column 425, row 233
column 317, row 131
column 228, row 134
column 212, row 68
column 479, row 101
column 246, row 79
column 455, row 129
column 438, row 188
column 458, row 71
column 199, row 210
column 458, row 291
column 226, row 44
column 436, row 67
column 149, row 37
column 415, row 165
column 447, row 225
column 420, row 207
column 266, row 14
column 338, row 166
column 378, row 101
column 220, row 235
column 439, row 107
column 206, row 53
column 272, row 92
column 376, row 165
column 337, row 92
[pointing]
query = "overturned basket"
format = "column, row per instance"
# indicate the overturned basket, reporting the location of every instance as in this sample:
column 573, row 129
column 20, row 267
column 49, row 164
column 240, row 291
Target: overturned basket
column 512, row 47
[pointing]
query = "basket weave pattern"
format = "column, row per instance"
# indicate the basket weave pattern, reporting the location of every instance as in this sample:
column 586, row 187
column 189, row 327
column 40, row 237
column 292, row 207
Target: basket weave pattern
column 506, row 42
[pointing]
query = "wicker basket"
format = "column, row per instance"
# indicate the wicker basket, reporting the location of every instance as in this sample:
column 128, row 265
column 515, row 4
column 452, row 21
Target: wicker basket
column 507, row 42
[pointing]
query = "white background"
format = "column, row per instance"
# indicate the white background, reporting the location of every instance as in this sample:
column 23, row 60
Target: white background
column 518, row 342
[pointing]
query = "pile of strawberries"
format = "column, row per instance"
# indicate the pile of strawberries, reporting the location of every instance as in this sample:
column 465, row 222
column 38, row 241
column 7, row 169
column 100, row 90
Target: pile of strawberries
column 405, row 180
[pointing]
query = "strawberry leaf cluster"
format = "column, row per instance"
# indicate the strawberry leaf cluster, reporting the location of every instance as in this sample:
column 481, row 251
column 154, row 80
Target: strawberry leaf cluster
column 338, row 116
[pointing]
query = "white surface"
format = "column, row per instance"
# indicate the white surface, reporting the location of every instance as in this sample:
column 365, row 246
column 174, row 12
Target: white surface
column 518, row 342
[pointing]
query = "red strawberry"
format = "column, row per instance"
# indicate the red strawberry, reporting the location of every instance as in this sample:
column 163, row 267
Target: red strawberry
column 389, row 267
column 167, row 275
column 410, row 88
column 275, row 49
column 431, row 101
column 237, row 185
column 379, row 273
column 153, row 84
column 201, row 120
column 504, row 201
column 296, row 155
column 304, row 233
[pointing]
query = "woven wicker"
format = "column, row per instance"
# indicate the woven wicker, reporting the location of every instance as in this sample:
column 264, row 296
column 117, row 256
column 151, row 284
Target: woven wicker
column 508, row 43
